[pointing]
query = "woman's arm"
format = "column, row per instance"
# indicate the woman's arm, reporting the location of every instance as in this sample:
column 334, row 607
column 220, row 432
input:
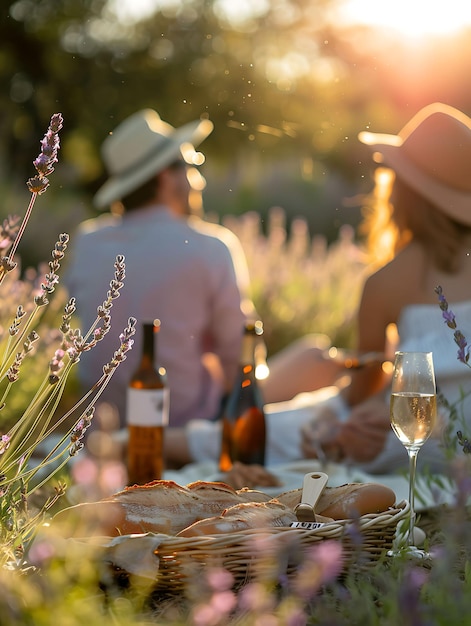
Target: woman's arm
column 374, row 315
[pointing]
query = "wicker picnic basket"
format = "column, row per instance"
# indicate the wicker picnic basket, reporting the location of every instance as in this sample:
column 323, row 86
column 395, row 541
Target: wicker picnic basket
column 271, row 554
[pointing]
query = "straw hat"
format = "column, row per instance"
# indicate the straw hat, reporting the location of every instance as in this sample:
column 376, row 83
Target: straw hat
column 432, row 154
column 142, row 146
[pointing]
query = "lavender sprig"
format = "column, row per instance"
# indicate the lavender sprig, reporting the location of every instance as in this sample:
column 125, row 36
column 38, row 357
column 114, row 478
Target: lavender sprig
column 44, row 165
column 450, row 320
column 44, row 162
column 102, row 324
column 464, row 442
column 126, row 344
column 51, row 278
column 8, row 232
column 38, row 420
column 463, row 351
column 19, row 326
column 14, row 369
column 79, row 430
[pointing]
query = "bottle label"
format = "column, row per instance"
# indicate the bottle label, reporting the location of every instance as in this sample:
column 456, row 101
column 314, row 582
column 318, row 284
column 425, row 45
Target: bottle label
column 147, row 407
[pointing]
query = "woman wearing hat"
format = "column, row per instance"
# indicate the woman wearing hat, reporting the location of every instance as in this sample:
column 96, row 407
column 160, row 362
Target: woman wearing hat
column 181, row 275
column 419, row 229
column 420, row 224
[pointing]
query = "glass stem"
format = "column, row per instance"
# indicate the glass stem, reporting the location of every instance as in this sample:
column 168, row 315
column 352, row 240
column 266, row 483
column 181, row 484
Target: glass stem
column 412, row 466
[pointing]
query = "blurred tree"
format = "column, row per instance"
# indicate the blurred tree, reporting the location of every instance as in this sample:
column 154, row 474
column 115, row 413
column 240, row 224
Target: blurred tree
column 255, row 76
column 287, row 88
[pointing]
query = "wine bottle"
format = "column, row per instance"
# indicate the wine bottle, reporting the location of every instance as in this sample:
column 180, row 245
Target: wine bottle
column 243, row 419
column 147, row 410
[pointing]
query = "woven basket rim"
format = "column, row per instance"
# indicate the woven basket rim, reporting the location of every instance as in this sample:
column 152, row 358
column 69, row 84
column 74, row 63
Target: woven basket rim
column 329, row 530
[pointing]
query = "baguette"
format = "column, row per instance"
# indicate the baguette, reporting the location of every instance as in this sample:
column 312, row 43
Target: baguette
column 245, row 516
column 161, row 506
column 347, row 501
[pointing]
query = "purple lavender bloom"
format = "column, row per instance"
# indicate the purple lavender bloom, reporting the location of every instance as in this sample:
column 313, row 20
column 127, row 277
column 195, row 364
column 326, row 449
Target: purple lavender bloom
column 447, row 314
column 44, row 163
column 322, row 565
column 449, row 318
column 464, row 442
column 450, row 321
column 296, row 617
column 4, row 443
column 409, row 596
column 463, row 348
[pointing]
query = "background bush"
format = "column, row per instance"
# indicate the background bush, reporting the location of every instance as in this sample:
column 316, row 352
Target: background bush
column 300, row 284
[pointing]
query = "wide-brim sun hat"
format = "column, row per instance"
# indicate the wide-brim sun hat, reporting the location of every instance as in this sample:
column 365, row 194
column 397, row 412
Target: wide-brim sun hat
column 142, row 146
column 431, row 154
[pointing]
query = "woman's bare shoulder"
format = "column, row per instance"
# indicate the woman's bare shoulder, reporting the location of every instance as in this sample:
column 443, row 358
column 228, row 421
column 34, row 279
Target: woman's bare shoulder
column 406, row 269
column 396, row 284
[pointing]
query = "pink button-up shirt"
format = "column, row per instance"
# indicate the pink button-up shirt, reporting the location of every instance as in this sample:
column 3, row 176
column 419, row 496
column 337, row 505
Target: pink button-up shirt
column 174, row 273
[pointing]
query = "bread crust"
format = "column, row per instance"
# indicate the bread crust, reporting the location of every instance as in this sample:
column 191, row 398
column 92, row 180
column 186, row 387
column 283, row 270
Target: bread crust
column 161, row 506
column 166, row 507
column 347, row 501
column 244, row 516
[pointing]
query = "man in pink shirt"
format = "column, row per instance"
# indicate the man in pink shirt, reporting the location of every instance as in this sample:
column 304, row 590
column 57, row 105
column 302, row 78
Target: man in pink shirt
column 174, row 272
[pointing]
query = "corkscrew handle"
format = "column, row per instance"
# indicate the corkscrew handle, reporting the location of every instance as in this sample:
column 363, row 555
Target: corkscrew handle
column 313, row 486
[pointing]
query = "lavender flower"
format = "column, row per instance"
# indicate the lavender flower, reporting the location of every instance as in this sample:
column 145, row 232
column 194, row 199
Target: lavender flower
column 409, row 596
column 126, row 344
column 32, row 338
column 103, row 311
column 55, row 366
column 15, row 325
column 79, row 431
column 450, row 321
column 463, row 348
column 14, row 369
column 51, row 278
column 464, row 442
column 69, row 310
column 4, row 443
column 8, row 232
column 44, row 163
column 323, row 564
column 37, row 185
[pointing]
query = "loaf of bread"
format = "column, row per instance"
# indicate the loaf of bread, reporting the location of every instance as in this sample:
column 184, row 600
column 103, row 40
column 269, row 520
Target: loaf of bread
column 165, row 507
column 245, row 516
column 161, row 506
column 346, row 501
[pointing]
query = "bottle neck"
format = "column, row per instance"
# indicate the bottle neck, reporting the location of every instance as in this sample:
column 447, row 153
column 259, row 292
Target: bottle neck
column 247, row 355
column 149, row 340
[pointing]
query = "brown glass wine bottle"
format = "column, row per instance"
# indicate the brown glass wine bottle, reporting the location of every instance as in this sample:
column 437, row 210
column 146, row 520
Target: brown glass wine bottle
column 243, row 418
column 147, row 410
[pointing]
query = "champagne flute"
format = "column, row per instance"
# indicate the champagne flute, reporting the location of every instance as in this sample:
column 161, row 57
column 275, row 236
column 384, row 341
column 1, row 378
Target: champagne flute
column 413, row 412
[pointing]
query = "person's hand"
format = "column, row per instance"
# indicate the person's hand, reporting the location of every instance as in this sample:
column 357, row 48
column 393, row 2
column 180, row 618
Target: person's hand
column 242, row 475
column 364, row 435
column 361, row 438
column 319, row 437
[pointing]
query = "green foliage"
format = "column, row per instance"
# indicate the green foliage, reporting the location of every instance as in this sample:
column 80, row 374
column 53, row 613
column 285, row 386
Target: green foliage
column 286, row 83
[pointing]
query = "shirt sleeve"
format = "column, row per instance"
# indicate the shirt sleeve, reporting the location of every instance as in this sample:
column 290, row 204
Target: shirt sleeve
column 204, row 440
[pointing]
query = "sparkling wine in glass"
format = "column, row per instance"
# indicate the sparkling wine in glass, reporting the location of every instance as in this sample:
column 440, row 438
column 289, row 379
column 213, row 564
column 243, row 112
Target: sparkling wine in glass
column 413, row 411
